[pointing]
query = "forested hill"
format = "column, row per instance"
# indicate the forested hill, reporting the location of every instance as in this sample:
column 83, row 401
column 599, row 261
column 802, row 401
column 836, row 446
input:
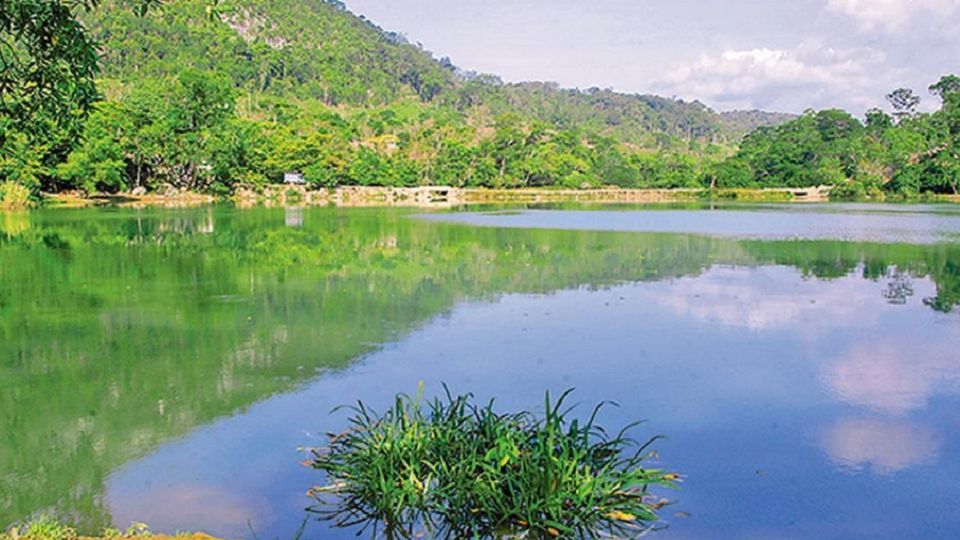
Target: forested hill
column 209, row 95
column 304, row 48
column 317, row 49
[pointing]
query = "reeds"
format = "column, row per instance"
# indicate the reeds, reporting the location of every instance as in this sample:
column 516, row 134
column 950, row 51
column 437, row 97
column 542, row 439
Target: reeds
column 458, row 470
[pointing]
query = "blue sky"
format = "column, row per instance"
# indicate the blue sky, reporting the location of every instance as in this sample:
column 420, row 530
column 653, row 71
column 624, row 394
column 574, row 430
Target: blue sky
column 769, row 54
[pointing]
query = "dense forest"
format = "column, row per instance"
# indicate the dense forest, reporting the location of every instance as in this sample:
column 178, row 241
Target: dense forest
column 205, row 95
column 903, row 154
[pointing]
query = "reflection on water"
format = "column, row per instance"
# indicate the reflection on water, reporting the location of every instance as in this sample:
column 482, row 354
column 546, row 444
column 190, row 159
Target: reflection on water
column 858, row 223
column 887, row 446
column 163, row 366
column 755, row 299
column 14, row 223
column 894, row 377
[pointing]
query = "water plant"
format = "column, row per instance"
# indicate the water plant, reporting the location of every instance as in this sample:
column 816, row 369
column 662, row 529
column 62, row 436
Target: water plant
column 47, row 527
column 461, row 470
column 41, row 528
column 14, row 196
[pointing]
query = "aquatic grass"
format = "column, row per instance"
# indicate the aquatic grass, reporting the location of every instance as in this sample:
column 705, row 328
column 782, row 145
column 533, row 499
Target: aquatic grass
column 461, row 470
column 42, row 528
column 14, row 196
column 47, row 527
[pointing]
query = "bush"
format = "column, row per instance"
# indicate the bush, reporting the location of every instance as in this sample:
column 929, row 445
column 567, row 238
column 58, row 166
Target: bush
column 43, row 528
column 461, row 470
column 858, row 190
column 14, row 196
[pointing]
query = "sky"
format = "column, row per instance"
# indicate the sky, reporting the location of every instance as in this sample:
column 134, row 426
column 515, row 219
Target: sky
column 730, row 54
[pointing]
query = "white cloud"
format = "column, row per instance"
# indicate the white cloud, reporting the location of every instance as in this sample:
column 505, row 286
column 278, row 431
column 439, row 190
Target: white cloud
column 891, row 15
column 795, row 79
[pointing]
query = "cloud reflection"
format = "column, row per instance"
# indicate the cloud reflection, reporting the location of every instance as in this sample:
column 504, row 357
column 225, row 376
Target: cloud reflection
column 769, row 298
column 885, row 446
column 180, row 507
column 886, row 378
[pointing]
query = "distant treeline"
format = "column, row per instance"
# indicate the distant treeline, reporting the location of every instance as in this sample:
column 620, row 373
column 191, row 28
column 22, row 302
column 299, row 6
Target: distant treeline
column 904, row 154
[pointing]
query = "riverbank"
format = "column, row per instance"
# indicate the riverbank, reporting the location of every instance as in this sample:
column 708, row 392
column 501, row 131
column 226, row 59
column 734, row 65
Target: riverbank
column 180, row 199
column 431, row 196
column 449, row 197
column 50, row 529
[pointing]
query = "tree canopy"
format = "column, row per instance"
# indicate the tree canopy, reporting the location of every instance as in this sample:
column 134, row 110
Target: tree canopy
column 907, row 154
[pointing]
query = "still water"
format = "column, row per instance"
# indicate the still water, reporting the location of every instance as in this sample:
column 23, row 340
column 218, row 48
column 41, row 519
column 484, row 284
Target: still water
column 166, row 365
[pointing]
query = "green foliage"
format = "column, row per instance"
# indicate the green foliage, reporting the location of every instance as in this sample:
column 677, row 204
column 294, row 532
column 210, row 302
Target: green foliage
column 858, row 190
column 210, row 95
column 98, row 164
column 917, row 154
column 947, row 85
column 646, row 120
column 48, row 528
column 467, row 471
column 21, row 162
column 48, row 65
column 42, row 528
column 302, row 48
column 14, row 196
column 811, row 150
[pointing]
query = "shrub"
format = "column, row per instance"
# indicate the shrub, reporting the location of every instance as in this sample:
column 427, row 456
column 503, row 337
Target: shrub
column 858, row 190
column 462, row 470
column 43, row 528
column 15, row 196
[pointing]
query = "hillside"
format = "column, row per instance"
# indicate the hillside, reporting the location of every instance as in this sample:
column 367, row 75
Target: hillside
column 212, row 95
column 316, row 49
column 305, row 48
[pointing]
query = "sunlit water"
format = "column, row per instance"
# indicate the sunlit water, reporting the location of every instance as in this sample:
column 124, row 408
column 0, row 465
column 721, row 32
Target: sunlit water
column 165, row 366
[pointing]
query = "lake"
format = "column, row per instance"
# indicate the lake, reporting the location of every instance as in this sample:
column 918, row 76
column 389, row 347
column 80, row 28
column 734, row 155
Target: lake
column 166, row 366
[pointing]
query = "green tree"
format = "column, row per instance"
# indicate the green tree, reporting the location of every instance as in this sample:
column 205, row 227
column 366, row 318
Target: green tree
column 98, row 163
column 904, row 102
column 948, row 84
column 48, row 66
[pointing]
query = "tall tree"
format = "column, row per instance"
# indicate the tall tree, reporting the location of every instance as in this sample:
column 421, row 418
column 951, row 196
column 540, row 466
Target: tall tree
column 904, row 102
column 948, row 84
column 48, row 61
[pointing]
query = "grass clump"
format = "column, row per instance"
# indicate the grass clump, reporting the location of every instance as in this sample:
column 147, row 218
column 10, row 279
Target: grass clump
column 462, row 470
column 14, row 196
column 42, row 528
column 46, row 527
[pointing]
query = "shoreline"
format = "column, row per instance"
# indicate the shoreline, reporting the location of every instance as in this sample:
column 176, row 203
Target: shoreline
column 451, row 197
column 428, row 197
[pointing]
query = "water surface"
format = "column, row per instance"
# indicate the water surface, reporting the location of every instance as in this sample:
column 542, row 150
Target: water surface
column 920, row 224
column 165, row 365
